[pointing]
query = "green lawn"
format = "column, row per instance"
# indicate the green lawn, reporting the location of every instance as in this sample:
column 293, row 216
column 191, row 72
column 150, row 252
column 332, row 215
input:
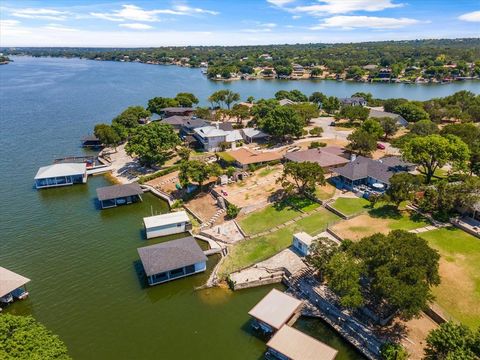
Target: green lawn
column 249, row 252
column 398, row 220
column 459, row 291
column 351, row 206
column 276, row 214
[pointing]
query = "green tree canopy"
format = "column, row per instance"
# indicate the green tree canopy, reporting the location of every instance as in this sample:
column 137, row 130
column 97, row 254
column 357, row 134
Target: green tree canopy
column 130, row 117
column 282, row 122
column 197, row 171
column 423, row 128
column 293, row 95
column 389, row 126
column 362, row 142
column 403, row 187
column 306, row 111
column 411, row 112
column 302, row 176
column 156, row 104
column 186, row 99
column 434, row 151
column 353, row 113
column 107, row 135
column 22, row 337
column 373, row 127
column 153, row 143
column 452, row 341
column 330, row 104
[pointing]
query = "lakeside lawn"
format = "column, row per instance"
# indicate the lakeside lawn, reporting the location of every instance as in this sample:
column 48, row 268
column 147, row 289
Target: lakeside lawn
column 325, row 192
column 383, row 219
column 276, row 214
column 459, row 291
column 351, row 206
column 249, row 252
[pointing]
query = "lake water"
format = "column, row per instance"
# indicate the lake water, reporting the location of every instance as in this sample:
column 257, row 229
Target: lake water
column 82, row 261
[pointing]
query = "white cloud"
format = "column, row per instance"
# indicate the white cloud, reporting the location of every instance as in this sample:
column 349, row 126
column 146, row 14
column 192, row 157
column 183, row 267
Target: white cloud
column 256, row 30
column 136, row 26
column 43, row 14
column 331, row 7
column 280, row 3
column 9, row 23
column 373, row 22
column 473, row 16
column 58, row 27
column 136, row 13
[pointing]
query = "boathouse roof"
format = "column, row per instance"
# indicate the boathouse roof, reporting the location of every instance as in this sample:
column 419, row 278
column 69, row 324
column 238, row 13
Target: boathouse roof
column 276, row 308
column 10, row 281
column 165, row 219
column 61, row 169
column 118, row 191
column 170, row 255
column 298, row 346
column 304, row 237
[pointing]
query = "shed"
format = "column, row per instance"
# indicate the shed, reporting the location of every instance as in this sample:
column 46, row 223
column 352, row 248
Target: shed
column 166, row 224
column 301, row 242
column 275, row 310
column 172, row 260
column 291, row 344
column 112, row 196
column 61, row 174
column 11, row 282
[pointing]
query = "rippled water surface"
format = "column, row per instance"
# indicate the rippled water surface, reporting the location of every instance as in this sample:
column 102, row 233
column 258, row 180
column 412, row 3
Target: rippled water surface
column 83, row 262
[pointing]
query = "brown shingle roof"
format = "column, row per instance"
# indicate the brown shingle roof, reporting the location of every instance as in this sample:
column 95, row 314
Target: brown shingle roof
column 324, row 157
column 245, row 156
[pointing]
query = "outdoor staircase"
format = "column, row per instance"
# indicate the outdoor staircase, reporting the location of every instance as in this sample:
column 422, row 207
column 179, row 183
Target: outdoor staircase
column 213, row 219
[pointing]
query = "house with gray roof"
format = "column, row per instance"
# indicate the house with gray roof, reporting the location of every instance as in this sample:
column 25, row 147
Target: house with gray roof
column 353, row 101
column 115, row 195
column 172, row 260
column 366, row 171
column 328, row 157
column 377, row 114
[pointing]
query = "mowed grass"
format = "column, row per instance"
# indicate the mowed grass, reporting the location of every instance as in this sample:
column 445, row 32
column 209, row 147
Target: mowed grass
column 277, row 214
column 249, row 252
column 383, row 219
column 459, row 291
column 351, row 206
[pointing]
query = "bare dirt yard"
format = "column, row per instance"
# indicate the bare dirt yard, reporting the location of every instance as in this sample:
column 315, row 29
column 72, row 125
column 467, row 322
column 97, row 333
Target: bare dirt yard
column 165, row 183
column 416, row 333
column 255, row 191
column 204, row 206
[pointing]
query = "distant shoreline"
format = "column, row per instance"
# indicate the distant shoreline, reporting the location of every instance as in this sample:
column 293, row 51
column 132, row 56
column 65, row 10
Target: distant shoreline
column 316, row 78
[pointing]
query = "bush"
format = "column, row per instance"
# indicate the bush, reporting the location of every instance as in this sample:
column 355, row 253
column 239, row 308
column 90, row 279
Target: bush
column 146, row 178
column 316, row 145
column 232, row 211
column 316, row 131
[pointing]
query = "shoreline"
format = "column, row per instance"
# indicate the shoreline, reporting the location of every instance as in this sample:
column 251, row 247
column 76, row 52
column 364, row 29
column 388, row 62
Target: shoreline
column 316, row 79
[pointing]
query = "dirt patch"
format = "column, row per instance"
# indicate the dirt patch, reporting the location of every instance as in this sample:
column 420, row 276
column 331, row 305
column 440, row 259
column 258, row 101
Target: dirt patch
column 417, row 331
column 361, row 226
column 204, row 206
column 165, row 183
column 257, row 189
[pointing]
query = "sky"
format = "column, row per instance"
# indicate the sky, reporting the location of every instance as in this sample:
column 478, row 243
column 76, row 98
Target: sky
column 132, row 23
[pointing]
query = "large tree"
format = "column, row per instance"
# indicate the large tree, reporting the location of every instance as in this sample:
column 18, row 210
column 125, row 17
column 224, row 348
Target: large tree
column 107, row 135
column 153, row 143
column 412, row 112
column 156, row 104
column 186, row 99
column 401, row 269
column 373, row 127
column 226, row 97
column 321, row 251
column 129, row 119
column 434, row 151
column 283, row 122
column 197, row 171
column 389, row 126
column 306, row 111
column 423, row 128
column 403, row 187
column 353, row 113
column 362, row 142
column 470, row 135
column 452, row 341
column 22, row 337
column 301, row 176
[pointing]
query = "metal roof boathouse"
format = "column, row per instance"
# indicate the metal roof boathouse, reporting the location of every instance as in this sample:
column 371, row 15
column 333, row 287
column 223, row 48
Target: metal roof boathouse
column 172, row 260
column 61, row 174
column 167, row 224
column 115, row 195
column 12, row 286
column 290, row 344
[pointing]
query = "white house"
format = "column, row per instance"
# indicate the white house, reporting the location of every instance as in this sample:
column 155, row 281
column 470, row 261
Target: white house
column 61, row 174
column 166, row 224
column 301, row 242
column 210, row 137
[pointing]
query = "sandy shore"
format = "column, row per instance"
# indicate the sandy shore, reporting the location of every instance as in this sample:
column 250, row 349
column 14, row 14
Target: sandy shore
column 125, row 169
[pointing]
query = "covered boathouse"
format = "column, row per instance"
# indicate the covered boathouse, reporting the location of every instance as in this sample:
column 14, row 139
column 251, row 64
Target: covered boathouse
column 275, row 310
column 290, row 344
column 12, row 286
column 61, row 174
column 166, row 224
column 115, row 195
column 172, row 260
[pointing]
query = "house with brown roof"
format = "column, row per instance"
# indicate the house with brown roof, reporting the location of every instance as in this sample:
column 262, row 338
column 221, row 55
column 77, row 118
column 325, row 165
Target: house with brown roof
column 328, row 157
column 244, row 157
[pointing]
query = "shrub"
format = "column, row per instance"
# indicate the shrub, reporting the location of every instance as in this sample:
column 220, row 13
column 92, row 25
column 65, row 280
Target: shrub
column 316, row 145
column 232, row 211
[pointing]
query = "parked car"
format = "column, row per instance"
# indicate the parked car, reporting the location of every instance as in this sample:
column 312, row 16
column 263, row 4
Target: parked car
column 332, row 123
column 380, row 146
